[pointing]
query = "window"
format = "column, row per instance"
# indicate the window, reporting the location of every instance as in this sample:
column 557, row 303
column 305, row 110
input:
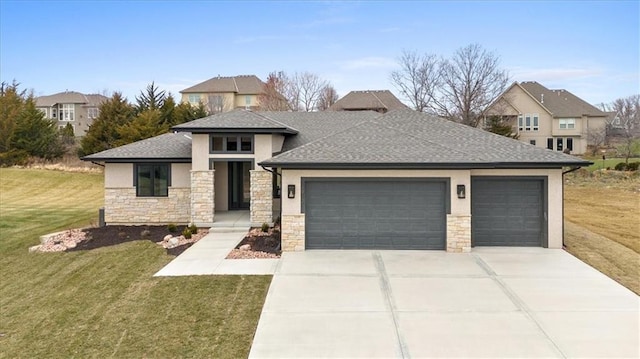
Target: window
column 536, row 122
column 550, row 143
column 194, row 99
column 93, row 112
column 570, row 144
column 54, row 112
column 152, row 180
column 532, row 142
column 67, row 112
column 567, row 123
column 247, row 100
column 277, row 182
column 520, row 123
column 527, row 122
column 231, row 143
column 559, row 144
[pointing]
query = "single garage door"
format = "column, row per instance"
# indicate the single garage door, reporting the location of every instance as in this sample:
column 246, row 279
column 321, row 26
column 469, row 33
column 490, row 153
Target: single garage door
column 507, row 212
column 375, row 214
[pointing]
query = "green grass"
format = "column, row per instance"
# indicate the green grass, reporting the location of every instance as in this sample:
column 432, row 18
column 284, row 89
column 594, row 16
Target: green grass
column 598, row 164
column 105, row 303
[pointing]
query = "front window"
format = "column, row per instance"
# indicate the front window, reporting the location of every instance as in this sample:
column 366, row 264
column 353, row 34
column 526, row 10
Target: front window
column 67, row 112
column 93, row 112
column 231, row 143
column 559, row 144
column 567, row 123
column 194, row 99
column 152, row 180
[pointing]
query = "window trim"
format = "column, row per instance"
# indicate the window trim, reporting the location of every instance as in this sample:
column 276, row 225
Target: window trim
column 550, row 141
column 536, row 121
column 153, row 164
column 568, row 123
column 520, row 122
column 193, row 96
column 238, row 137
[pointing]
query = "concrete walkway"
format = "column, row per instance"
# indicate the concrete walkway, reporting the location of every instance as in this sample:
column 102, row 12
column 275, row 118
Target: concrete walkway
column 207, row 257
column 491, row 303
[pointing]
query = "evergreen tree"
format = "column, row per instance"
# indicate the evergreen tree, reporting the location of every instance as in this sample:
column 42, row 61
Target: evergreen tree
column 150, row 99
column 185, row 112
column 147, row 124
column 35, row 134
column 103, row 133
column 498, row 126
column 167, row 111
column 11, row 104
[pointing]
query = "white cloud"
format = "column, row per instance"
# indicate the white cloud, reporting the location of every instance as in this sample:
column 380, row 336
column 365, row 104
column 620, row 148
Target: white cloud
column 554, row 74
column 371, row 62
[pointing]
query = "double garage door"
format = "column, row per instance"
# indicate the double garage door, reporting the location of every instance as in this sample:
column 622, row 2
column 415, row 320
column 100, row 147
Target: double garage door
column 411, row 214
column 375, row 214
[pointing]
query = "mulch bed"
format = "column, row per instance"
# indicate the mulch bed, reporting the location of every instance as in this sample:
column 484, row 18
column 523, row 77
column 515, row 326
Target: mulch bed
column 262, row 245
column 112, row 235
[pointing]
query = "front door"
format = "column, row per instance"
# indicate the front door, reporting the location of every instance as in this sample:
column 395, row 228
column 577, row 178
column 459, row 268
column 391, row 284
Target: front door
column 239, row 185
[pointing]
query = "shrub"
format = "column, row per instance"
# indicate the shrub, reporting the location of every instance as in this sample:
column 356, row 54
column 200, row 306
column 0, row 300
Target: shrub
column 186, row 233
column 13, row 158
column 172, row 228
column 193, row 228
column 265, row 227
column 621, row 166
column 633, row 166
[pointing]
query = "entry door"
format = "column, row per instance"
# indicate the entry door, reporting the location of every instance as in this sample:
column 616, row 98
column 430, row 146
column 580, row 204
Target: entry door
column 239, row 185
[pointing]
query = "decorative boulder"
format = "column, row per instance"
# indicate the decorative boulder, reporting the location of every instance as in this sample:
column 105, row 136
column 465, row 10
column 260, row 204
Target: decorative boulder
column 167, row 237
column 35, row 248
column 245, row 247
column 173, row 242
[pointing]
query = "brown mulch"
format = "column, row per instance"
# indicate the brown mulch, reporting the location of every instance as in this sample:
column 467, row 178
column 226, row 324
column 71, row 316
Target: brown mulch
column 112, row 235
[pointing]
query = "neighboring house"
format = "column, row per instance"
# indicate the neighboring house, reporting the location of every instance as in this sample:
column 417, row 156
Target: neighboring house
column 222, row 94
column 375, row 100
column 71, row 107
column 554, row 119
column 400, row 180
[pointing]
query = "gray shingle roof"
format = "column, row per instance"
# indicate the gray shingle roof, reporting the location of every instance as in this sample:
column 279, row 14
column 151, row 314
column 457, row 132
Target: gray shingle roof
column 169, row 146
column 236, row 120
column 242, row 85
column 69, row 97
column 368, row 100
column 561, row 103
column 405, row 138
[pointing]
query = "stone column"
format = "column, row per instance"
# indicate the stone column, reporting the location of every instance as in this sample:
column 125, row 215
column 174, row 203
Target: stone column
column 261, row 197
column 292, row 235
column 202, row 197
column 458, row 233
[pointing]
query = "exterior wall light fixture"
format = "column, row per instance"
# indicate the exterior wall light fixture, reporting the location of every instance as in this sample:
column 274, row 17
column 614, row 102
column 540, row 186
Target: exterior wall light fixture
column 461, row 191
column 291, row 191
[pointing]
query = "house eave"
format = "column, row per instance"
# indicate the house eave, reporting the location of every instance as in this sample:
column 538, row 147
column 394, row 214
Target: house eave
column 205, row 130
column 430, row 166
column 137, row 159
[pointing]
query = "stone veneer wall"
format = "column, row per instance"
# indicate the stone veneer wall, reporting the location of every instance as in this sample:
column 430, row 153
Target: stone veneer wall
column 202, row 197
column 123, row 207
column 458, row 233
column 261, row 197
column 292, row 232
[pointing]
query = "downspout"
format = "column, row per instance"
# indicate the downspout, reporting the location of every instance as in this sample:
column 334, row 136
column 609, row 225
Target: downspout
column 564, row 173
column 280, row 213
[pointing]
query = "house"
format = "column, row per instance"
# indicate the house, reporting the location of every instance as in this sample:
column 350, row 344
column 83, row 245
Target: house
column 375, row 100
column 342, row 179
column 222, row 94
column 71, row 107
column 553, row 119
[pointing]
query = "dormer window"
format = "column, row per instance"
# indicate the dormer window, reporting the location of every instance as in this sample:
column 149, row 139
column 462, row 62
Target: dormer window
column 231, row 143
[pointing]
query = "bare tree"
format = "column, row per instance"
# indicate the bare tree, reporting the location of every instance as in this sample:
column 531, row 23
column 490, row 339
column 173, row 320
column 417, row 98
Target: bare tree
column 417, row 79
column 627, row 111
column 308, row 87
column 328, row 96
column 470, row 80
column 596, row 137
column 274, row 97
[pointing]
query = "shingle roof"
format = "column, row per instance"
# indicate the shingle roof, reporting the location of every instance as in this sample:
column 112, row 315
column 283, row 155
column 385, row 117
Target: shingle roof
column 69, row 97
column 410, row 139
column 169, row 146
column 237, row 120
column 242, row 85
column 368, row 100
column 561, row 103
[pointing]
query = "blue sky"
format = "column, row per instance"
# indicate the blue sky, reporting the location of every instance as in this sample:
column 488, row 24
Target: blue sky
column 591, row 48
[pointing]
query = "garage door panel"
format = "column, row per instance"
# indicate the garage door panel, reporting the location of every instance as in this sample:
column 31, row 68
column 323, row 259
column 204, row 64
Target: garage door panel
column 375, row 214
column 507, row 211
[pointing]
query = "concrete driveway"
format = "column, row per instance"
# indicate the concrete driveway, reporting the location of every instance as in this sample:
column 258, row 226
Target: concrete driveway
column 494, row 302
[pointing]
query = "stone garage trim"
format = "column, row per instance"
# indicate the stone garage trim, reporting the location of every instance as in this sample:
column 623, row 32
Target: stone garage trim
column 261, row 197
column 458, row 233
column 202, row 197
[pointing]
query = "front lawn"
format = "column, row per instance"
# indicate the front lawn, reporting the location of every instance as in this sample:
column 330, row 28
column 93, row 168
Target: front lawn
column 104, row 302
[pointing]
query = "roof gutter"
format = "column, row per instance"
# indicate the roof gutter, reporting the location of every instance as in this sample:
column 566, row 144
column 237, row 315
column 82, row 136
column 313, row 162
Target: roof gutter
column 432, row 166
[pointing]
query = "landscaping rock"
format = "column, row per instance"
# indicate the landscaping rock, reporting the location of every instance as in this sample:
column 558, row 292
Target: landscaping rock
column 35, row 248
column 245, row 247
column 173, row 242
column 167, row 237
